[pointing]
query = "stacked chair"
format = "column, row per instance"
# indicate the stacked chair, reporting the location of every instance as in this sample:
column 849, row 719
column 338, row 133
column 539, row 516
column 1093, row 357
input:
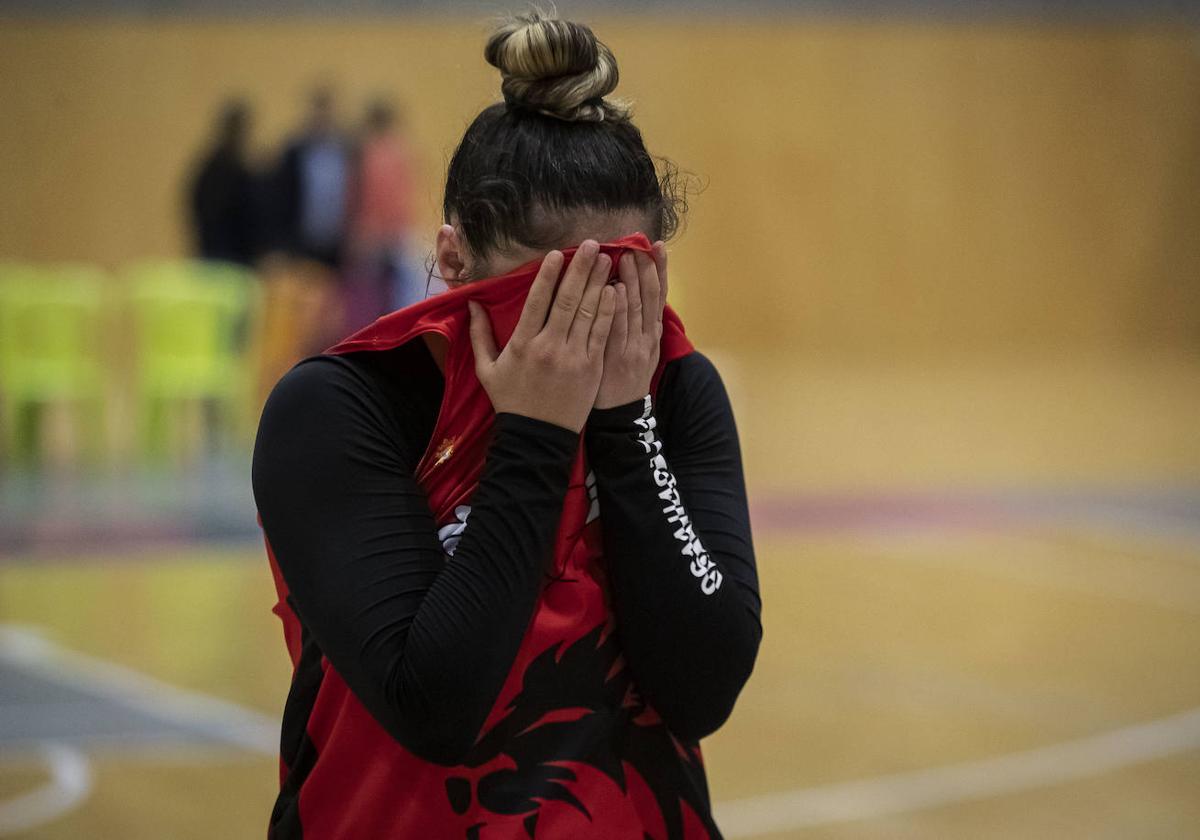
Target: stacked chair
column 187, row 330
column 51, row 333
column 193, row 323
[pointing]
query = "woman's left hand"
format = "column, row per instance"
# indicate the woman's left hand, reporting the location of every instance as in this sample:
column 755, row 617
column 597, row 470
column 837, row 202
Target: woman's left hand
column 631, row 355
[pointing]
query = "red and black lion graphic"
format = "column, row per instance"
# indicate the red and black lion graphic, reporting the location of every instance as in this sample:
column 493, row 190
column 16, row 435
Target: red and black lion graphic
column 577, row 706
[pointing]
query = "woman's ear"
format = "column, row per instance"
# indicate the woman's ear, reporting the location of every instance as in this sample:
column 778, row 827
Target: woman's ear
column 450, row 257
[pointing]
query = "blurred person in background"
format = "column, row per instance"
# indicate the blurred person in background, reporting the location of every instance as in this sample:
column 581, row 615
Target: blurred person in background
column 221, row 194
column 517, row 585
column 303, row 210
column 378, row 277
column 312, row 184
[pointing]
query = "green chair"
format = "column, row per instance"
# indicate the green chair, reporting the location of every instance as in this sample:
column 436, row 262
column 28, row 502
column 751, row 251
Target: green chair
column 50, row 341
column 192, row 320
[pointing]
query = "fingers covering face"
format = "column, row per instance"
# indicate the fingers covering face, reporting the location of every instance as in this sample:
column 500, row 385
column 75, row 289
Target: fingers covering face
column 633, row 288
column 648, row 277
column 570, row 312
column 599, row 337
column 541, row 293
column 571, row 289
column 660, row 263
column 585, row 315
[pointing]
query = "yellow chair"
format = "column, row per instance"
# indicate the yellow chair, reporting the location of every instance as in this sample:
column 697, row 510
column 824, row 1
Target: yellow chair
column 193, row 323
column 50, row 340
column 301, row 307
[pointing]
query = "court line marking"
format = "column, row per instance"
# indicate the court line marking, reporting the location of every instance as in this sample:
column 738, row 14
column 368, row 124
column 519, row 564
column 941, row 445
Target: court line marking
column 972, row 780
column 70, row 784
column 219, row 719
column 71, row 773
column 747, row 817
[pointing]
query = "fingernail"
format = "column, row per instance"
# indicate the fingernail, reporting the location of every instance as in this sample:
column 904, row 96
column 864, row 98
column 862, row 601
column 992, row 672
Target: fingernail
column 589, row 247
column 472, row 307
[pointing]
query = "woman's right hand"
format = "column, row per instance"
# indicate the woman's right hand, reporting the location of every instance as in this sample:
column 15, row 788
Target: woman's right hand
column 550, row 369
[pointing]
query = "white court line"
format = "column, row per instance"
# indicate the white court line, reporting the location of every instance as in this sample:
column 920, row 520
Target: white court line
column 219, row 719
column 748, row 817
column 912, row 791
column 71, row 775
column 69, row 785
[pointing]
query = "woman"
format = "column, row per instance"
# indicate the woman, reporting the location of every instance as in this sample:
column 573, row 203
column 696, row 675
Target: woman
column 500, row 630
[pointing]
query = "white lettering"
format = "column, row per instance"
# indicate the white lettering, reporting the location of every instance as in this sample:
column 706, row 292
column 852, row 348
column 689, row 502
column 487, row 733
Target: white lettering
column 451, row 534
column 711, row 583
column 701, row 565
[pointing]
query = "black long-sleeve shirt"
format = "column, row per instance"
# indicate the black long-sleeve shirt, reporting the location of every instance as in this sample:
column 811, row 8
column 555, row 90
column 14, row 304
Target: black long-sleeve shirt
column 425, row 640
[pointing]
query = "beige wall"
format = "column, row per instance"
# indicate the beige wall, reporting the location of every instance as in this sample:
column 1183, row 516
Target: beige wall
column 871, row 188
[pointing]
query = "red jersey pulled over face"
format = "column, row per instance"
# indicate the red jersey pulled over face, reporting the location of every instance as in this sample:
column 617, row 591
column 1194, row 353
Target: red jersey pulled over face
column 570, row 749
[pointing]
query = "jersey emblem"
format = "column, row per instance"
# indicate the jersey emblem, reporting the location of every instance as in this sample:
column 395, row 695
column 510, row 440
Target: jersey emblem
column 444, row 451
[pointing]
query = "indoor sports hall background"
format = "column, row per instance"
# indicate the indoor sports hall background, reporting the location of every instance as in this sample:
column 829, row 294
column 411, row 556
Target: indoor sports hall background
column 945, row 254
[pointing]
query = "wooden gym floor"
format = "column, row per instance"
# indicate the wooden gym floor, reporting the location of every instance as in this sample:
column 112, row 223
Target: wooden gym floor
column 982, row 611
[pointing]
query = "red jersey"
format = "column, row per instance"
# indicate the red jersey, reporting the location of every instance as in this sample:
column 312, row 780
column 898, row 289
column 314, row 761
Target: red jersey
column 569, row 748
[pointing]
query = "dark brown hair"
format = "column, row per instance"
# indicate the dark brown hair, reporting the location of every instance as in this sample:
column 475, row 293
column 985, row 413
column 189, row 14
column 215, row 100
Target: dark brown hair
column 554, row 146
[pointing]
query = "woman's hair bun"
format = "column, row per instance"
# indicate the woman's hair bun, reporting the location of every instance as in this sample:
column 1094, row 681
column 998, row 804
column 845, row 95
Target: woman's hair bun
column 555, row 67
